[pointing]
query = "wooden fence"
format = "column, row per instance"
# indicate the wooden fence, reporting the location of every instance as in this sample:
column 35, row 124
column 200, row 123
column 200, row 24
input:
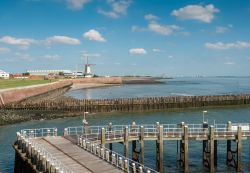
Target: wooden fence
column 131, row 104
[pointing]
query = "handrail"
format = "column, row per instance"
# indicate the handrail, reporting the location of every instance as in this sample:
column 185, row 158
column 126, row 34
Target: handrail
column 25, row 138
column 151, row 130
column 116, row 159
column 33, row 133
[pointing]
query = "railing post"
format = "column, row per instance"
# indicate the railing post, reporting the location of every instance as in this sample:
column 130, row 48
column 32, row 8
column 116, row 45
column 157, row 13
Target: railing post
column 211, row 138
column 239, row 145
column 142, row 145
column 159, row 150
column 103, row 139
column 65, row 132
column 126, row 168
column 125, row 142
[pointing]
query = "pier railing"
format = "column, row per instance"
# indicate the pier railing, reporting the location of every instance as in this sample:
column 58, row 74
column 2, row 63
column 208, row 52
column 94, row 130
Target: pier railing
column 116, row 159
column 44, row 160
column 151, row 131
column 33, row 133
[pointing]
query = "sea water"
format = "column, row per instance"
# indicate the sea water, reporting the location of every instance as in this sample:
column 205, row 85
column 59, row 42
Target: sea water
column 187, row 86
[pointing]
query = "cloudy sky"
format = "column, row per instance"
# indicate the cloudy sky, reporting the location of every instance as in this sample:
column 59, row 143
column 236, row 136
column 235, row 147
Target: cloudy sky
column 121, row 37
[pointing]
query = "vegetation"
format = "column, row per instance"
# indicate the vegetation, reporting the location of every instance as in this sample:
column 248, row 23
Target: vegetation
column 13, row 83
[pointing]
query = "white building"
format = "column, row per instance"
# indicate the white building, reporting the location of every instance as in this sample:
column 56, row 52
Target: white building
column 4, row 75
column 47, row 72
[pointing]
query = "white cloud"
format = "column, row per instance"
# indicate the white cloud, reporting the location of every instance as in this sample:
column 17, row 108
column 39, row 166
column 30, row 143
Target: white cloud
column 4, row 50
column 157, row 50
column 221, row 29
column 162, row 29
column 118, row 7
column 154, row 26
column 21, row 42
column 170, row 56
column 62, row 40
column 108, row 13
column 196, row 12
column 91, row 55
column 76, row 4
column 52, row 57
column 138, row 29
column 151, row 17
column 24, row 56
column 94, row 36
column 225, row 46
column 229, row 63
column 137, row 51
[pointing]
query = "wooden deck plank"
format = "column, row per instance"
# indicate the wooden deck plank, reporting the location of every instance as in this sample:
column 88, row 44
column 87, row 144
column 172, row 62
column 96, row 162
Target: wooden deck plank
column 75, row 158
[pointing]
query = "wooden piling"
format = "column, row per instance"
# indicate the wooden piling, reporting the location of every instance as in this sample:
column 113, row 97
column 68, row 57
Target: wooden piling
column 186, row 169
column 211, row 140
column 142, row 145
column 239, row 146
column 103, row 137
column 125, row 142
column 159, row 151
column 110, row 131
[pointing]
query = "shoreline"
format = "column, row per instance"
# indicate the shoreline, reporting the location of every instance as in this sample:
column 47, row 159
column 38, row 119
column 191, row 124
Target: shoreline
column 79, row 86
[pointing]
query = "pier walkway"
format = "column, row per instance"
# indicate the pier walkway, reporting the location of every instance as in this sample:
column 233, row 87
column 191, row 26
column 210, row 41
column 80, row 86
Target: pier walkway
column 73, row 157
column 89, row 148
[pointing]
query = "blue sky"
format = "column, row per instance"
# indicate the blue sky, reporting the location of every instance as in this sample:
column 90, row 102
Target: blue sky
column 127, row 37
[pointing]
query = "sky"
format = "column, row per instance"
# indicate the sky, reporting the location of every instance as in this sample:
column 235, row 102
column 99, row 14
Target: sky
column 127, row 37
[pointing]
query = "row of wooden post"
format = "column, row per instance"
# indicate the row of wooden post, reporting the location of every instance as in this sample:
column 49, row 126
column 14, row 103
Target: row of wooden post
column 129, row 104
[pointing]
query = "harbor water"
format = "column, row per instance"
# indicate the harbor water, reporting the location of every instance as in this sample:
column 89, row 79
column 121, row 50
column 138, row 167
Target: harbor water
column 179, row 86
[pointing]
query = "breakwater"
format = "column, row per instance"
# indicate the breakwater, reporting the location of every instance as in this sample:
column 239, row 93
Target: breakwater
column 18, row 94
column 130, row 104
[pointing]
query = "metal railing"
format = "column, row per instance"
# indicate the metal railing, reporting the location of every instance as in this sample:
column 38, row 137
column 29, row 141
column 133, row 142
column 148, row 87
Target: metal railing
column 33, row 133
column 116, row 132
column 26, row 142
column 114, row 158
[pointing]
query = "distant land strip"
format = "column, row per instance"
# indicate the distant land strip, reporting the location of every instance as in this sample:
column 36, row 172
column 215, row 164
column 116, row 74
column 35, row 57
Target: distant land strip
column 129, row 104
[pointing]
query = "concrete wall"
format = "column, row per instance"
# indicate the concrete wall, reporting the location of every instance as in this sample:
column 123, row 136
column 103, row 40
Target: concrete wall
column 103, row 80
column 18, row 94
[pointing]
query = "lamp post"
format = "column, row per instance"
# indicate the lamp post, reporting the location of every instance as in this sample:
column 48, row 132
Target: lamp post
column 203, row 115
column 84, row 121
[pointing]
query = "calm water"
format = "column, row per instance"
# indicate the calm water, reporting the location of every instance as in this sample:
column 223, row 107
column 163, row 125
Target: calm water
column 177, row 86
column 171, row 87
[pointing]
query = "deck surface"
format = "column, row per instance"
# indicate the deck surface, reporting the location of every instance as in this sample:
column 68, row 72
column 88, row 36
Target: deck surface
column 74, row 157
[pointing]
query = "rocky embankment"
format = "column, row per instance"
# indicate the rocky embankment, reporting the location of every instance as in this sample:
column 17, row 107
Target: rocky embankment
column 51, row 92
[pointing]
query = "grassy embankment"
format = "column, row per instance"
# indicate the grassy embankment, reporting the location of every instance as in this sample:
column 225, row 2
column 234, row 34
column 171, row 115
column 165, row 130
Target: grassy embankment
column 13, row 83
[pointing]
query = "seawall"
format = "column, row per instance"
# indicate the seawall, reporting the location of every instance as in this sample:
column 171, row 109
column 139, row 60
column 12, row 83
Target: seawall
column 98, row 80
column 19, row 94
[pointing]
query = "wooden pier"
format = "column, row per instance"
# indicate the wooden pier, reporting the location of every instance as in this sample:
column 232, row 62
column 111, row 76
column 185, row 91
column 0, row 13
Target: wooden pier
column 129, row 104
column 41, row 150
column 69, row 152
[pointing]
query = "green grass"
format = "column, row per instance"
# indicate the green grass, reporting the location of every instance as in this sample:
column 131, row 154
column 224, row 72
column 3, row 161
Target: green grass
column 13, row 83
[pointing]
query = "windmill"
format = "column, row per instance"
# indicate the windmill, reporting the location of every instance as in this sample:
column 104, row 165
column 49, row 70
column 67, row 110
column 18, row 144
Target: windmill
column 87, row 69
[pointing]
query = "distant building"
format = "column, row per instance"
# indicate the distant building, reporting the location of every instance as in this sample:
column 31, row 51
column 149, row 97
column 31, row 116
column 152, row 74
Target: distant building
column 4, row 75
column 47, row 72
column 19, row 76
column 87, row 69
